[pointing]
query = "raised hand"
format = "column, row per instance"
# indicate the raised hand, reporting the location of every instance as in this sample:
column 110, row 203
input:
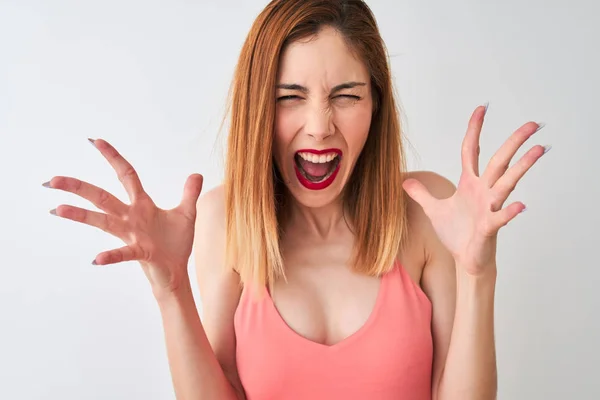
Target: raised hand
column 161, row 240
column 468, row 222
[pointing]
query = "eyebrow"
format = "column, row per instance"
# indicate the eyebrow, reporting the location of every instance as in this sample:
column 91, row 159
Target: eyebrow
column 345, row 85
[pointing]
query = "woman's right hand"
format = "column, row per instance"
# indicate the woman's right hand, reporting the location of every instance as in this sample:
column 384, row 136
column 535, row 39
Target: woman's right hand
column 161, row 240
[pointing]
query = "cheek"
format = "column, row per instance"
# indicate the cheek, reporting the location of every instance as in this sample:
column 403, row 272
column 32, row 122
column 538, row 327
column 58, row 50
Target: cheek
column 287, row 123
column 354, row 125
column 286, row 126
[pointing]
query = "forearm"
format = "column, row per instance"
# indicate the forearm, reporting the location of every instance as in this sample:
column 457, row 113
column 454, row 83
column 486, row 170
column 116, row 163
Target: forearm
column 470, row 371
column 195, row 370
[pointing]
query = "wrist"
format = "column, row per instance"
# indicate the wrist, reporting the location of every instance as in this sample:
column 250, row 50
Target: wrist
column 481, row 282
column 175, row 293
column 476, row 269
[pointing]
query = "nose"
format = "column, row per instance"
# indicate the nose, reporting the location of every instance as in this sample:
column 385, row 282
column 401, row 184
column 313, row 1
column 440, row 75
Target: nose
column 319, row 123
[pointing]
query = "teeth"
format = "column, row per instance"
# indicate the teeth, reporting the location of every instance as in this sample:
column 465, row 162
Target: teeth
column 318, row 159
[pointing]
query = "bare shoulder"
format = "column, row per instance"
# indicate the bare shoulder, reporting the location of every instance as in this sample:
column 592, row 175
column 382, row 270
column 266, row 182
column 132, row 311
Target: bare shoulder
column 438, row 186
column 209, row 244
column 209, row 229
column 219, row 286
column 423, row 241
column 433, row 251
column 210, row 212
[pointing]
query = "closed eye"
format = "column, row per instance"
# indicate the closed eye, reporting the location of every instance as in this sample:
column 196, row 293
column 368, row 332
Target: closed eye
column 295, row 97
column 350, row 96
column 289, row 97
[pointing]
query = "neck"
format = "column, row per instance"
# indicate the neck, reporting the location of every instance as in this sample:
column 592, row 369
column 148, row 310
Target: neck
column 321, row 223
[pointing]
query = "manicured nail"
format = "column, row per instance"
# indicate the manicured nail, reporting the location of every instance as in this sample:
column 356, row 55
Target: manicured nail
column 524, row 209
column 547, row 148
column 486, row 104
column 47, row 184
column 53, row 211
column 92, row 141
column 94, row 262
column 540, row 126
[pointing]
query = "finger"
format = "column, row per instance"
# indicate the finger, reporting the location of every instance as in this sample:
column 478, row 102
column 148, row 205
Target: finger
column 500, row 161
column 125, row 253
column 126, row 173
column 507, row 214
column 107, row 223
column 97, row 196
column 507, row 182
column 419, row 193
column 191, row 192
column 470, row 145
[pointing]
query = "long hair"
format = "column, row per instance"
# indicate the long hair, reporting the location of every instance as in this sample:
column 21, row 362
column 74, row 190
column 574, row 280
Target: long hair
column 373, row 195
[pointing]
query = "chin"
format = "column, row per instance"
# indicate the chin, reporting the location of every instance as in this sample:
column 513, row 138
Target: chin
column 315, row 200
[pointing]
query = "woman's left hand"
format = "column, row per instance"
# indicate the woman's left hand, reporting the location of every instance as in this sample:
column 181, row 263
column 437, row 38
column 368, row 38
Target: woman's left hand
column 468, row 222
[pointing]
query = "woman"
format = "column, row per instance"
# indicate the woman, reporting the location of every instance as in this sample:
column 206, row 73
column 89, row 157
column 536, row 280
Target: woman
column 320, row 278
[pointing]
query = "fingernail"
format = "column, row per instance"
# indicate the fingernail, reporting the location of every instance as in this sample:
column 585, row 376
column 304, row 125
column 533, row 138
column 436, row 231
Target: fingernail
column 92, row 142
column 94, row 262
column 53, row 211
column 486, row 104
column 47, row 184
column 524, row 209
column 547, row 148
column 540, row 126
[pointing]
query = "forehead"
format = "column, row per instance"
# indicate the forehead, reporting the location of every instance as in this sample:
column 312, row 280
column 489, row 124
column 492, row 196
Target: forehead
column 321, row 59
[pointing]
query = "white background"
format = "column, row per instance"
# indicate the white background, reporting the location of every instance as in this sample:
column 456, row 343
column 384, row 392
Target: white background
column 152, row 77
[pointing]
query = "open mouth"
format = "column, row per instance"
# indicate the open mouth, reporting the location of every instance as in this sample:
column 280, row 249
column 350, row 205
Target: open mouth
column 317, row 169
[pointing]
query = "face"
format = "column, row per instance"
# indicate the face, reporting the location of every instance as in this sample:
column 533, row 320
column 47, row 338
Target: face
column 323, row 115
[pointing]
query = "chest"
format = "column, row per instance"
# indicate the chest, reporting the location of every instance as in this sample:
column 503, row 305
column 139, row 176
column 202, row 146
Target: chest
column 323, row 300
column 325, row 303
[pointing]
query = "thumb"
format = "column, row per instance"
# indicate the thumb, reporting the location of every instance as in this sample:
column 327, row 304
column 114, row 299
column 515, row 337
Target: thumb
column 419, row 193
column 191, row 192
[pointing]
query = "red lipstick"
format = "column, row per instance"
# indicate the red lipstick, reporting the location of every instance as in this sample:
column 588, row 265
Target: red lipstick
column 323, row 184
